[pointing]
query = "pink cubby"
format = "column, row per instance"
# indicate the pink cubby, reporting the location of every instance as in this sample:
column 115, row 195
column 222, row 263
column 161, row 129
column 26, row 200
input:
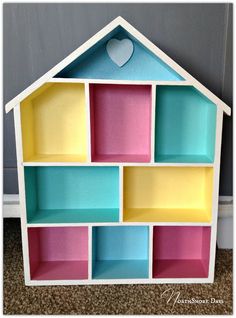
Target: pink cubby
column 181, row 251
column 120, row 123
column 58, row 253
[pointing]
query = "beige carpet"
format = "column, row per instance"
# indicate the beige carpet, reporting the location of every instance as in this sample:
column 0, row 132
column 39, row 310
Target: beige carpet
column 108, row 299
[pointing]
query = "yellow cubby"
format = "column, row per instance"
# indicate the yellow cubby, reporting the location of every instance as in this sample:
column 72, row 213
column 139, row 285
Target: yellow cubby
column 168, row 194
column 53, row 121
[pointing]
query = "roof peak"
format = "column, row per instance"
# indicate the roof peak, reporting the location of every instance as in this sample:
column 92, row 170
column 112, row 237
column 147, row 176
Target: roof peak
column 118, row 21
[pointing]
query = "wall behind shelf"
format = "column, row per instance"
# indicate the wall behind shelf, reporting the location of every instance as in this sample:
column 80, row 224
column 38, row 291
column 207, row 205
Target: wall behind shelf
column 37, row 36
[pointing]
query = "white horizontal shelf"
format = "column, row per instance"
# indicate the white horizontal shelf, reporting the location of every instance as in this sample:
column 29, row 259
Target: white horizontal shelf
column 120, row 281
column 117, row 164
column 109, row 81
column 29, row 225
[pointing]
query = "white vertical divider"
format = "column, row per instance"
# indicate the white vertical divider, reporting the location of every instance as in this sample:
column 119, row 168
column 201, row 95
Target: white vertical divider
column 121, row 194
column 90, row 255
column 150, row 250
column 89, row 159
column 153, row 115
column 88, row 121
column 21, row 182
column 215, row 197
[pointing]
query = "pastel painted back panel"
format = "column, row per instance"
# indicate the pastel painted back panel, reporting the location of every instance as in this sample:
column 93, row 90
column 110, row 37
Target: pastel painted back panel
column 64, row 243
column 185, row 123
column 181, row 242
column 58, row 244
column 95, row 63
column 168, row 187
column 53, row 121
column 74, row 187
column 121, row 243
column 121, row 119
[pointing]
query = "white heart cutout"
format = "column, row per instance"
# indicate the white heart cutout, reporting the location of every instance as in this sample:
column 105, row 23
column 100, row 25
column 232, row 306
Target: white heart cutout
column 120, row 51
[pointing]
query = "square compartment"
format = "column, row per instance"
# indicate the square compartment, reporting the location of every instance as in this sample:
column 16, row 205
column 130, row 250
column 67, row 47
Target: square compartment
column 120, row 252
column 72, row 194
column 181, row 251
column 185, row 125
column 120, row 123
column 53, row 121
column 58, row 253
column 168, row 194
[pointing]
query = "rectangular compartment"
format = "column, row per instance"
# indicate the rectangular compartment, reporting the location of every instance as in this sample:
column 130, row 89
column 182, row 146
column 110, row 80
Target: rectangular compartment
column 185, row 125
column 72, row 194
column 58, row 253
column 168, row 194
column 181, row 251
column 120, row 252
column 53, row 121
column 120, row 123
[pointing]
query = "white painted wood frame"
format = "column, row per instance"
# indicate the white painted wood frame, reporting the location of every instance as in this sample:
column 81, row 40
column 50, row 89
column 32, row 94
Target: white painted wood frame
column 189, row 81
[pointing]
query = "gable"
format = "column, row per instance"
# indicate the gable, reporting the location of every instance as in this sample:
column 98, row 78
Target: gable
column 96, row 63
column 151, row 63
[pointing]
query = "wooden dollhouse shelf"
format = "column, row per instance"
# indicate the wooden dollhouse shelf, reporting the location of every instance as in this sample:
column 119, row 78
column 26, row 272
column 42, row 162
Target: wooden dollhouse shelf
column 114, row 123
column 118, row 167
column 64, row 185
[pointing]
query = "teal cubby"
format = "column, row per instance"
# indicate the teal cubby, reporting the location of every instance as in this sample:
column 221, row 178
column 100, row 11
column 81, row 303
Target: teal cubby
column 120, row 252
column 95, row 63
column 72, row 194
column 185, row 125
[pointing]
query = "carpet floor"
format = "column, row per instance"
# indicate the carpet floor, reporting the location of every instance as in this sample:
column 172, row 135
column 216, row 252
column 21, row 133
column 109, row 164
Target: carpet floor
column 111, row 299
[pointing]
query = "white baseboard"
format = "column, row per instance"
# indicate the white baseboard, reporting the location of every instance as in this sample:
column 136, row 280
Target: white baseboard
column 225, row 232
column 11, row 206
column 225, row 206
column 11, row 209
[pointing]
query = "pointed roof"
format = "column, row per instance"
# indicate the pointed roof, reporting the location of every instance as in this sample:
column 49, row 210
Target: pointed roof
column 119, row 21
